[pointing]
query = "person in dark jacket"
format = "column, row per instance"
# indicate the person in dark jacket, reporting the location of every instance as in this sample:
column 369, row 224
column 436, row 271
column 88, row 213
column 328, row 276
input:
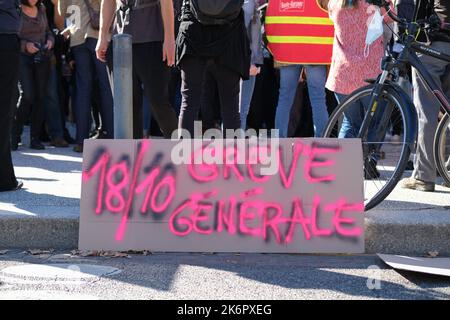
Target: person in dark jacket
column 37, row 42
column 9, row 75
column 220, row 53
column 424, row 174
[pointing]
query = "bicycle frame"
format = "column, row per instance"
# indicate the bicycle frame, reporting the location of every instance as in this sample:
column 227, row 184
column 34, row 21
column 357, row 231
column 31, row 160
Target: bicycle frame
column 407, row 56
column 425, row 75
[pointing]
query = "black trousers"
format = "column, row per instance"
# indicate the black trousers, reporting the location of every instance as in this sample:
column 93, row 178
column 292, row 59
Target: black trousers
column 151, row 76
column 210, row 104
column 9, row 75
column 195, row 71
column 153, row 73
column 33, row 81
column 265, row 98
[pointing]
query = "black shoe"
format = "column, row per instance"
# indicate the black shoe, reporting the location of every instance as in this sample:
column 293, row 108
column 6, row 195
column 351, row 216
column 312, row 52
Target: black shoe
column 59, row 143
column 36, row 144
column 18, row 186
column 370, row 169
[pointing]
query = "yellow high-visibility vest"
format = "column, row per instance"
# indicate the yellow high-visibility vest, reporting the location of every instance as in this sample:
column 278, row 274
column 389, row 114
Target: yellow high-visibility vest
column 299, row 32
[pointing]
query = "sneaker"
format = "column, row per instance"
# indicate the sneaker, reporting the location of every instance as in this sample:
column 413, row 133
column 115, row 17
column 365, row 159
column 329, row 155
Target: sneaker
column 370, row 169
column 59, row 143
column 416, row 184
column 36, row 144
column 78, row 148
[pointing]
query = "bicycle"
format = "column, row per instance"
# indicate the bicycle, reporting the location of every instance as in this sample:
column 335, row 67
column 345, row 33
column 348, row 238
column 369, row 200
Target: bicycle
column 385, row 160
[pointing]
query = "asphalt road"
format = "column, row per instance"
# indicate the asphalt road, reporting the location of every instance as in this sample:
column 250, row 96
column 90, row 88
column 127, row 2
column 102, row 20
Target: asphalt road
column 219, row 276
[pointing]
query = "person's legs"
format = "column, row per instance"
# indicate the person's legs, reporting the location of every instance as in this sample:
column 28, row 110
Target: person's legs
column 52, row 106
column 316, row 78
column 41, row 72
column 84, row 83
column 175, row 89
column 64, row 88
column 210, row 102
column 353, row 117
column 106, row 99
column 271, row 92
column 27, row 92
column 428, row 111
column 155, row 76
column 9, row 74
column 228, row 86
column 138, row 107
column 192, row 75
column 351, row 124
column 289, row 76
column 96, row 128
column 247, row 89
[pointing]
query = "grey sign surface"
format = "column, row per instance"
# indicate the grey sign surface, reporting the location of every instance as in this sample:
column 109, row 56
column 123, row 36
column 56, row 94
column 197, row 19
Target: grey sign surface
column 135, row 196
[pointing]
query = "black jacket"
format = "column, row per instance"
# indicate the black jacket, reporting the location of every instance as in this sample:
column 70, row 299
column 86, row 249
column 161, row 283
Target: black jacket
column 9, row 17
column 428, row 8
column 227, row 44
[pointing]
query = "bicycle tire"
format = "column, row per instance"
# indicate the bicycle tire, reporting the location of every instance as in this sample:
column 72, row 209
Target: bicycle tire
column 408, row 143
column 441, row 147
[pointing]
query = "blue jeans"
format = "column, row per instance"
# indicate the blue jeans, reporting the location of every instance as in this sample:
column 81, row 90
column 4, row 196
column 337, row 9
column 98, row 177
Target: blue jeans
column 33, row 86
column 88, row 70
column 354, row 116
column 52, row 107
column 247, row 88
column 289, row 76
column 316, row 79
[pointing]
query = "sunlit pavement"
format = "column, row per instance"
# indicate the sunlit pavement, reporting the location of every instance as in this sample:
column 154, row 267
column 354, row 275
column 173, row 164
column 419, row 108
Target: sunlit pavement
column 219, row 276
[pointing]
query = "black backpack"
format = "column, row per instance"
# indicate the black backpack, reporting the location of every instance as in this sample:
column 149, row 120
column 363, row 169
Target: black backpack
column 216, row 12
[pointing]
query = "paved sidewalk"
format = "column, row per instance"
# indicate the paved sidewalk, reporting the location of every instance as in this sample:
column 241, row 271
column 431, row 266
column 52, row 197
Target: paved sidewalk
column 212, row 277
column 45, row 214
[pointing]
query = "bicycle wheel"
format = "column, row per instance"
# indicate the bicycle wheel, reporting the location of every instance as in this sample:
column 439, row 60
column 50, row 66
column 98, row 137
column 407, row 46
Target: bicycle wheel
column 385, row 158
column 442, row 149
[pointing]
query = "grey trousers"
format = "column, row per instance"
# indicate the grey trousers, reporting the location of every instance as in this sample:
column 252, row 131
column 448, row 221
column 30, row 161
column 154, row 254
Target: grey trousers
column 428, row 111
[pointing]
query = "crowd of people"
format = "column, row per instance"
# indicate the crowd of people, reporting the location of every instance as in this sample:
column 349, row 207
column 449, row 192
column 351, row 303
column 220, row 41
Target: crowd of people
column 277, row 64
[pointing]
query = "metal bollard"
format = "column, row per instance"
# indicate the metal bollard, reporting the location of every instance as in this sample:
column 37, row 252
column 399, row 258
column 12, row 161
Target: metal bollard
column 123, row 86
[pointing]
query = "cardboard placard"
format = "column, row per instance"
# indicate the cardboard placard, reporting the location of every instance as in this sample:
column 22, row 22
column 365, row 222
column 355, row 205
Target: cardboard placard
column 136, row 197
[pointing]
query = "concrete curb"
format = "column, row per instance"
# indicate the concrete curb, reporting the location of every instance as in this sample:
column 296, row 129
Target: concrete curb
column 38, row 233
column 409, row 232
